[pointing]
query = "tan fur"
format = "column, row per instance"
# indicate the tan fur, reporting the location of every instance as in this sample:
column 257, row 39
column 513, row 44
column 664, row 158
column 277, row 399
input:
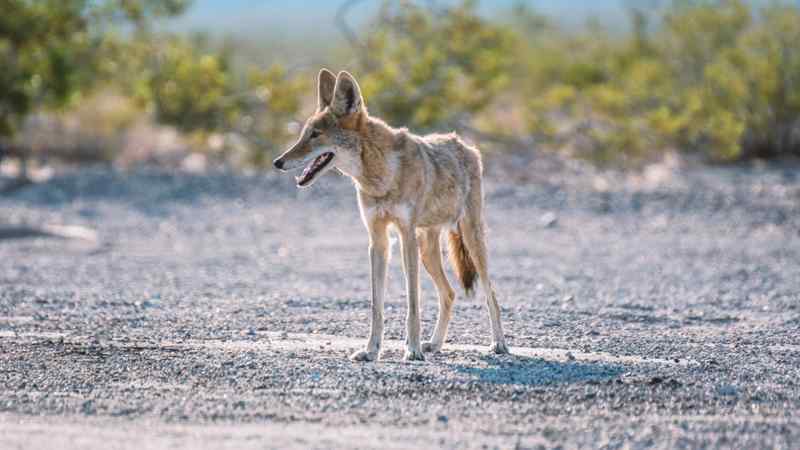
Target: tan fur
column 420, row 185
column 462, row 263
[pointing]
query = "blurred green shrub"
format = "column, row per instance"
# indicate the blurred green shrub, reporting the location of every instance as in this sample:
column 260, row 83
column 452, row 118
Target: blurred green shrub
column 58, row 52
column 279, row 95
column 426, row 68
column 195, row 88
column 51, row 50
column 715, row 77
column 187, row 83
column 189, row 88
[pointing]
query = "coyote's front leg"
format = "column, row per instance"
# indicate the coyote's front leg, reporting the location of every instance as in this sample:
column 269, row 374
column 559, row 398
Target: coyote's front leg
column 408, row 238
column 379, row 258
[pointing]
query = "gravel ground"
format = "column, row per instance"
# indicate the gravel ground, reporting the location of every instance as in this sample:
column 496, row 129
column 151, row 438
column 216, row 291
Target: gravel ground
column 217, row 311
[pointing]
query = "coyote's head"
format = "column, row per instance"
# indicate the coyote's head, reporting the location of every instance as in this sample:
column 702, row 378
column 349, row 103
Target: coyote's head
column 330, row 136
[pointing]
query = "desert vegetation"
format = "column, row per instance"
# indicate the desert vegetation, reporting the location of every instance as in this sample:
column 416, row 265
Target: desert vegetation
column 96, row 81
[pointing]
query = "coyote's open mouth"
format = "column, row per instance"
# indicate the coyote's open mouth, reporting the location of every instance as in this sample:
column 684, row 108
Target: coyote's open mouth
column 316, row 167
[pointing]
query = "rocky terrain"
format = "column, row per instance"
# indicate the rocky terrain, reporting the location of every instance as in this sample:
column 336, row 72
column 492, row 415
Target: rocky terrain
column 218, row 310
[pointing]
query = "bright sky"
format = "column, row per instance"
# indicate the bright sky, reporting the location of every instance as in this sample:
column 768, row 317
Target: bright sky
column 315, row 17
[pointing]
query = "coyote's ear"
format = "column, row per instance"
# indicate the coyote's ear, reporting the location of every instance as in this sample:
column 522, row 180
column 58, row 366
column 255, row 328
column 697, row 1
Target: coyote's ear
column 347, row 96
column 326, row 81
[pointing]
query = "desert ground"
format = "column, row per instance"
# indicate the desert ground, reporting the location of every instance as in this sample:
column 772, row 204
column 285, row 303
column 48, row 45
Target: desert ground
column 217, row 311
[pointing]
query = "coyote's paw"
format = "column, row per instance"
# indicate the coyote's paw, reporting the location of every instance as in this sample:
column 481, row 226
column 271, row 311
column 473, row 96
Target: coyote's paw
column 413, row 355
column 499, row 348
column 431, row 347
column 365, row 356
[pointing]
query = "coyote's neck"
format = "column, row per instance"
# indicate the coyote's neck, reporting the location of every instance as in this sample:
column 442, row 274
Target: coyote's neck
column 380, row 159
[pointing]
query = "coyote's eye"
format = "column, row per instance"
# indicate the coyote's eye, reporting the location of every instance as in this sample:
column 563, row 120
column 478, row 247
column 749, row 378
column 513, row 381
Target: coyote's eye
column 315, row 133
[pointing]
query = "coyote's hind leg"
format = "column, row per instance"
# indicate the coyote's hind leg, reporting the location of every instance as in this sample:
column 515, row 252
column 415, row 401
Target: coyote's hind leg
column 471, row 228
column 431, row 253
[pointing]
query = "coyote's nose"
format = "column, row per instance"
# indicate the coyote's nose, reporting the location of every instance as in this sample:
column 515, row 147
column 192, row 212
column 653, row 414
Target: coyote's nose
column 278, row 163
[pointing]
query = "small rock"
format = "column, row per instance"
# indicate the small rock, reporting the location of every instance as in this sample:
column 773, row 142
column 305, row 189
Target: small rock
column 727, row 390
column 548, row 220
column 88, row 408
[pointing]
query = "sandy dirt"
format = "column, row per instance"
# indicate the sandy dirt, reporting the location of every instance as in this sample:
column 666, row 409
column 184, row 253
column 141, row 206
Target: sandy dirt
column 217, row 311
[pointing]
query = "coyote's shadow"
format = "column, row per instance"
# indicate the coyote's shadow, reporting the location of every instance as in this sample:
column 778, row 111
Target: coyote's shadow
column 526, row 371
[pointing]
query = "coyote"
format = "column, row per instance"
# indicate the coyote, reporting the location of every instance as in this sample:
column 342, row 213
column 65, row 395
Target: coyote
column 421, row 185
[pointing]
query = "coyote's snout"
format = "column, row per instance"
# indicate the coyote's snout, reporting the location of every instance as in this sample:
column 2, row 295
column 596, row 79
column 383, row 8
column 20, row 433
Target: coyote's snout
column 421, row 185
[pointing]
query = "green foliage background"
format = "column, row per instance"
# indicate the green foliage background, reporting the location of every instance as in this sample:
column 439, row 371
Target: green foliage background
column 717, row 78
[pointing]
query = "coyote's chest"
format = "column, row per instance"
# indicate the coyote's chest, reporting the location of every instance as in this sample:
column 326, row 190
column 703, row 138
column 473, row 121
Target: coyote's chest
column 401, row 213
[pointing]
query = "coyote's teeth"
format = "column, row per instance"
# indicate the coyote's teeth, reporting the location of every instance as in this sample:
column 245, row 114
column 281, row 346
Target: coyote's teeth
column 319, row 163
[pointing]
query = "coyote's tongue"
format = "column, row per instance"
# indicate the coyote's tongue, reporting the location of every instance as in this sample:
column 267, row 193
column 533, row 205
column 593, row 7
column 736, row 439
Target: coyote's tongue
column 314, row 168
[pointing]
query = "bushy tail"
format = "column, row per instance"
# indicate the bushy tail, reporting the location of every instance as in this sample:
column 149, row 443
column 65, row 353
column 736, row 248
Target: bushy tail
column 462, row 263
